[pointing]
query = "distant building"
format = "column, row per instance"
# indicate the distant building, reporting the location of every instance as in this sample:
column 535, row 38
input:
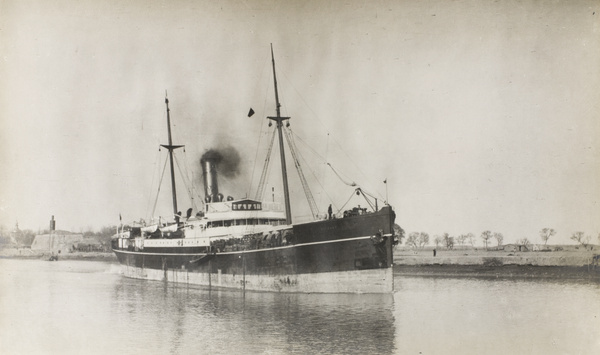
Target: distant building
column 19, row 238
column 15, row 234
column 57, row 241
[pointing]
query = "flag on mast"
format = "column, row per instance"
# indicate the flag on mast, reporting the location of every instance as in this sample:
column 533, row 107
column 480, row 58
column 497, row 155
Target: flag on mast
column 386, row 191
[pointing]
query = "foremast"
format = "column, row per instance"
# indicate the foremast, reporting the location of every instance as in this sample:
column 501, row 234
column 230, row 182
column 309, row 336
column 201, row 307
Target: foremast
column 171, row 148
column 279, row 120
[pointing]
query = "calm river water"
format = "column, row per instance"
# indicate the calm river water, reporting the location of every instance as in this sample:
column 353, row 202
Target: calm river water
column 84, row 307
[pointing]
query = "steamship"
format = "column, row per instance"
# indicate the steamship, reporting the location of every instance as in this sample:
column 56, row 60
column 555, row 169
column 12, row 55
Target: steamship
column 252, row 244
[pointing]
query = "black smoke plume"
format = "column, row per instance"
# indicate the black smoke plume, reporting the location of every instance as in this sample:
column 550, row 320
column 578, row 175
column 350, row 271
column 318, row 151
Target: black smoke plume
column 227, row 158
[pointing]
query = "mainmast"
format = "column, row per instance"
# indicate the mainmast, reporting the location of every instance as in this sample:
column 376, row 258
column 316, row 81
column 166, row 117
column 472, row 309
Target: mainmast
column 279, row 120
column 171, row 147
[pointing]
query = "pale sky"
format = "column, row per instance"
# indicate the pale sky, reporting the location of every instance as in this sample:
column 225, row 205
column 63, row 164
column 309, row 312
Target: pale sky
column 481, row 115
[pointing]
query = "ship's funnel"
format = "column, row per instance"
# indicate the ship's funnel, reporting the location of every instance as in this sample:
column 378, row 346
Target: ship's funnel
column 209, row 177
column 227, row 159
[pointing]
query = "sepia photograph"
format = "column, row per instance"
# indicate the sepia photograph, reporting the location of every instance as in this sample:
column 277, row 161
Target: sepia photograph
column 300, row 177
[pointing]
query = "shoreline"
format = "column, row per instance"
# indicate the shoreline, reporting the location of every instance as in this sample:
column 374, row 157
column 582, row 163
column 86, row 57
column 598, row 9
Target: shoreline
column 566, row 263
column 83, row 256
column 570, row 257
column 455, row 263
column 500, row 272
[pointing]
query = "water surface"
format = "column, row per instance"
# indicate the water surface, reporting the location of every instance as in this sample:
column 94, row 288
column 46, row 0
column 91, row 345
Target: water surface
column 76, row 307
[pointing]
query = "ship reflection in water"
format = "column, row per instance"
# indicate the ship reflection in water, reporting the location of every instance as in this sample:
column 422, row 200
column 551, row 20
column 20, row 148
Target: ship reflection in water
column 84, row 307
column 199, row 320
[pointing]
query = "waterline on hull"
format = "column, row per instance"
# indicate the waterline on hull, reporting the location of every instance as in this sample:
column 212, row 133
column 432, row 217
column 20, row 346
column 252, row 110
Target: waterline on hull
column 355, row 281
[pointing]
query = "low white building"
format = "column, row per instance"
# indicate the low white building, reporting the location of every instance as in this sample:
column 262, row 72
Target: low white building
column 57, row 241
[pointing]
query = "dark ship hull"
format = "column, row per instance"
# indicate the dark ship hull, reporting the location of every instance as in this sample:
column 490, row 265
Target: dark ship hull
column 352, row 254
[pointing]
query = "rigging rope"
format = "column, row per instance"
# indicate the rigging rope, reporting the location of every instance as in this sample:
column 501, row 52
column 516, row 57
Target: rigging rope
column 366, row 199
column 351, row 195
column 261, row 184
column 157, row 171
column 311, row 201
column 327, row 129
column 353, row 184
column 158, row 192
column 323, row 189
column 260, row 132
column 293, row 149
column 191, row 180
column 186, row 183
column 323, row 175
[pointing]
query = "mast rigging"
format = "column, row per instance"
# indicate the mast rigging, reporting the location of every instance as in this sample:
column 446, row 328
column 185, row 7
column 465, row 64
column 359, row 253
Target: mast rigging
column 261, row 184
column 171, row 148
column 309, row 197
column 279, row 120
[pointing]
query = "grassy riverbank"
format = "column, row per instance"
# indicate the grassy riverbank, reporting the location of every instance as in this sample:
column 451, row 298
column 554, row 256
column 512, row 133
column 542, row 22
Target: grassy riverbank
column 566, row 256
column 556, row 262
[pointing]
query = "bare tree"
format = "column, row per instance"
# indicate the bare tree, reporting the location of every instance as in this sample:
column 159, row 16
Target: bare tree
column 25, row 237
column 486, row 236
column 399, row 232
column 471, row 239
column 524, row 242
column 461, row 239
column 448, row 240
column 105, row 234
column 450, row 243
column 437, row 240
column 423, row 239
column 499, row 238
column 546, row 233
column 581, row 238
column 413, row 240
column 4, row 236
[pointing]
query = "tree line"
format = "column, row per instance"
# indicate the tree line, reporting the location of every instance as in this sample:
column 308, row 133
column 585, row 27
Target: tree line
column 25, row 237
column 418, row 240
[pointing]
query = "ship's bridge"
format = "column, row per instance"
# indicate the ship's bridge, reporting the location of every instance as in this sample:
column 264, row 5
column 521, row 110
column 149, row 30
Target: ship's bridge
column 243, row 212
